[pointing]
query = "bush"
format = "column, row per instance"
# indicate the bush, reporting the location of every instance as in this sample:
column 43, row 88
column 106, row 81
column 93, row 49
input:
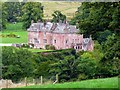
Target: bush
column 25, row 45
column 82, row 77
column 50, row 47
column 2, row 35
column 11, row 35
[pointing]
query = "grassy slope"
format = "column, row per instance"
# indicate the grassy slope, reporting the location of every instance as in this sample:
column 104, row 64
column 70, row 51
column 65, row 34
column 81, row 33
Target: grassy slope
column 67, row 8
column 15, row 29
column 94, row 83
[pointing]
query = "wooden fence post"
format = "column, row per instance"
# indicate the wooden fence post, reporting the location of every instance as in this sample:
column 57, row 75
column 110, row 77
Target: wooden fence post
column 41, row 78
column 6, row 83
column 25, row 81
column 56, row 79
column 33, row 81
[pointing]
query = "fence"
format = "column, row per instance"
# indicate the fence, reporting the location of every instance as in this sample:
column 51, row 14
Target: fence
column 27, row 82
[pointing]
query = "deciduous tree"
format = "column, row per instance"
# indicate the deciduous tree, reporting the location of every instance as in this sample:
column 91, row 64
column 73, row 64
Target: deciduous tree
column 31, row 11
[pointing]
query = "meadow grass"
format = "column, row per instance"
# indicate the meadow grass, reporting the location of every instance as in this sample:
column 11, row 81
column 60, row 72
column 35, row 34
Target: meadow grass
column 17, row 30
column 93, row 83
column 67, row 8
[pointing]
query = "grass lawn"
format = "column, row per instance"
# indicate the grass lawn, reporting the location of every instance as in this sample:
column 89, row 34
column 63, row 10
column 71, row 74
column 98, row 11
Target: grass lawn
column 93, row 83
column 23, row 37
column 39, row 50
column 17, row 30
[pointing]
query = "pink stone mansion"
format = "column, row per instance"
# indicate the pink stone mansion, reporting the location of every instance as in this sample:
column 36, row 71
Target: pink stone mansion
column 60, row 35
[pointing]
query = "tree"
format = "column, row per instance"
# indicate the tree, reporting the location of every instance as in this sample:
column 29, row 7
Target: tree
column 3, row 16
column 95, row 17
column 57, row 16
column 31, row 11
column 66, row 68
column 12, row 10
column 17, row 63
column 111, row 61
column 87, row 65
column 102, row 36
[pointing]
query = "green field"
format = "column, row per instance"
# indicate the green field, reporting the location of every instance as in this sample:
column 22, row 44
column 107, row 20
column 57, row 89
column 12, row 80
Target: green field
column 39, row 50
column 17, row 30
column 94, row 83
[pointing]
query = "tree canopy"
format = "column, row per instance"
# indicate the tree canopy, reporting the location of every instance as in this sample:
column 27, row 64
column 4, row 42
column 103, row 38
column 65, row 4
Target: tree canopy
column 57, row 16
column 94, row 17
column 31, row 11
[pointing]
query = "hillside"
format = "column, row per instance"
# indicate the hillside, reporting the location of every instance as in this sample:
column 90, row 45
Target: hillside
column 67, row 8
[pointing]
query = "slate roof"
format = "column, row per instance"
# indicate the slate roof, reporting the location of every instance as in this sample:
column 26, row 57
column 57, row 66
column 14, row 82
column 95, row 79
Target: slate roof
column 53, row 27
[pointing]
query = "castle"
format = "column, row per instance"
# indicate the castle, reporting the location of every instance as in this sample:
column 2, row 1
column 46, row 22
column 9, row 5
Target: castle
column 60, row 35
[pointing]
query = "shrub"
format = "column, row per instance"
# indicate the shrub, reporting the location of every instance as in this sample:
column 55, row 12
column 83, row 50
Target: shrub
column 2, row 35
column 11, row 35
column 50, row 47
column 47, row 47
column 25, row 45
column 82, row 76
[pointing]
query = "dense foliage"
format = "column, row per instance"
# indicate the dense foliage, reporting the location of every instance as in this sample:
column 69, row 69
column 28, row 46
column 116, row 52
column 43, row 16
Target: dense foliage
column 12, row 10
column 17, row 63
column 1, row 17
column 68, row 64
column 92, row 18
column 31, row 11
column 21, row 12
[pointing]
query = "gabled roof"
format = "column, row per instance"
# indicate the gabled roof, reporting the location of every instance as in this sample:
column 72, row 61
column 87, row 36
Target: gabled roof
column 53, row 27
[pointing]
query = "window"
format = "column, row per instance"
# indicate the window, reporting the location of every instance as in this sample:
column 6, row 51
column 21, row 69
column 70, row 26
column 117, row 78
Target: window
column 45, row 40
column 73, row 41
column 35, row 40
column 54, row 41
column 66, row 41
column 44, row 34
column 76, row 47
